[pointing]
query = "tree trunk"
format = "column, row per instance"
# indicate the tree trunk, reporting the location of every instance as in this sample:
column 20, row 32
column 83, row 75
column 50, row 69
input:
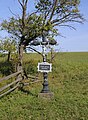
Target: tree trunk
column 20, row 55
column 8, row 59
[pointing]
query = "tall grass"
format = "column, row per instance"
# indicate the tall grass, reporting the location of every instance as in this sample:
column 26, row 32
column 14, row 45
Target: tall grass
column 69, row 83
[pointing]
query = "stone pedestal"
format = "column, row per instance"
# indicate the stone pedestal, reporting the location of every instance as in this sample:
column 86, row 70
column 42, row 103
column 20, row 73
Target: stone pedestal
column 48, row 95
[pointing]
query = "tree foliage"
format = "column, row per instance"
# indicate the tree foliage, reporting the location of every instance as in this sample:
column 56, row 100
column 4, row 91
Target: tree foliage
column 8, row 45
column 59, row 12
column 49, row 14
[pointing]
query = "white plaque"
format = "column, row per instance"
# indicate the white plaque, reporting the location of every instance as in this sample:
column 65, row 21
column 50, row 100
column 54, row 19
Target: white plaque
column 44, row 67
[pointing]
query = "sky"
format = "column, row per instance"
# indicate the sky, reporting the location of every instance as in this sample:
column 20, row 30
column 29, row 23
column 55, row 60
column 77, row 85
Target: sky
column 73, row 40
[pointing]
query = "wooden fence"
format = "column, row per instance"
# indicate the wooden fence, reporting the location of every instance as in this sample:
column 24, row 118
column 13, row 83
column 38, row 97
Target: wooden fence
column 15, row 83
column 19, row 78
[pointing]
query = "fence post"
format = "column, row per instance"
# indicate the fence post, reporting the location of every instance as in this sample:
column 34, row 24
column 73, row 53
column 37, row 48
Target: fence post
column 20, row 56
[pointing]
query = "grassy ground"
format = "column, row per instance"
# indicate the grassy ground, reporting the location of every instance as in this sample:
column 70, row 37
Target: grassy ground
column 68, row 82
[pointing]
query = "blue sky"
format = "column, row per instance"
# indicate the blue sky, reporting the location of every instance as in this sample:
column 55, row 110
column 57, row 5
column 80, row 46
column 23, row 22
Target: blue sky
column 74, row 40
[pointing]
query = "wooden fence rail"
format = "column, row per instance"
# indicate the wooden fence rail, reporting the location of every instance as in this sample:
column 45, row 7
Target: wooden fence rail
column 10, row 84
column 10, row 76
column 9, row 91
column 3, row 88
column 14, row 84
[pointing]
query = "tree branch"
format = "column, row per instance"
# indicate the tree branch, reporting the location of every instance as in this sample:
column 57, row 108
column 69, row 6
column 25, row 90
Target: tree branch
column 26, row 2
column 53, row 10
column 66, row 26
column 57, row 20
column 20, row 3
column 35, row 50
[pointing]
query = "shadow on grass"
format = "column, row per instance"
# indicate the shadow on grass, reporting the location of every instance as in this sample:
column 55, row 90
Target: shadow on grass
column 6, row 68
column 27, row 92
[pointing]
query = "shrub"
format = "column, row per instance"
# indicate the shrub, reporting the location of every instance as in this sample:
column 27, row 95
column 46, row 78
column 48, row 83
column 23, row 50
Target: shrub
column 6, row 68
column 30, row 67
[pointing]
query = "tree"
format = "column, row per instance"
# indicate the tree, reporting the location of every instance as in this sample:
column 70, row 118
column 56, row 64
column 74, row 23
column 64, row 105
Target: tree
column 8, row 45
column 59, row 12
column 23, row 27
column 48, row 15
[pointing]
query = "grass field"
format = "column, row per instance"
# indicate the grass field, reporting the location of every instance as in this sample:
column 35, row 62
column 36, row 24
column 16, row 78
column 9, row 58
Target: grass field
column 69, row 83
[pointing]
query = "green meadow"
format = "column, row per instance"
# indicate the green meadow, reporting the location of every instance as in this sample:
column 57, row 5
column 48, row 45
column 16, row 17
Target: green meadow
column 68, row 82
